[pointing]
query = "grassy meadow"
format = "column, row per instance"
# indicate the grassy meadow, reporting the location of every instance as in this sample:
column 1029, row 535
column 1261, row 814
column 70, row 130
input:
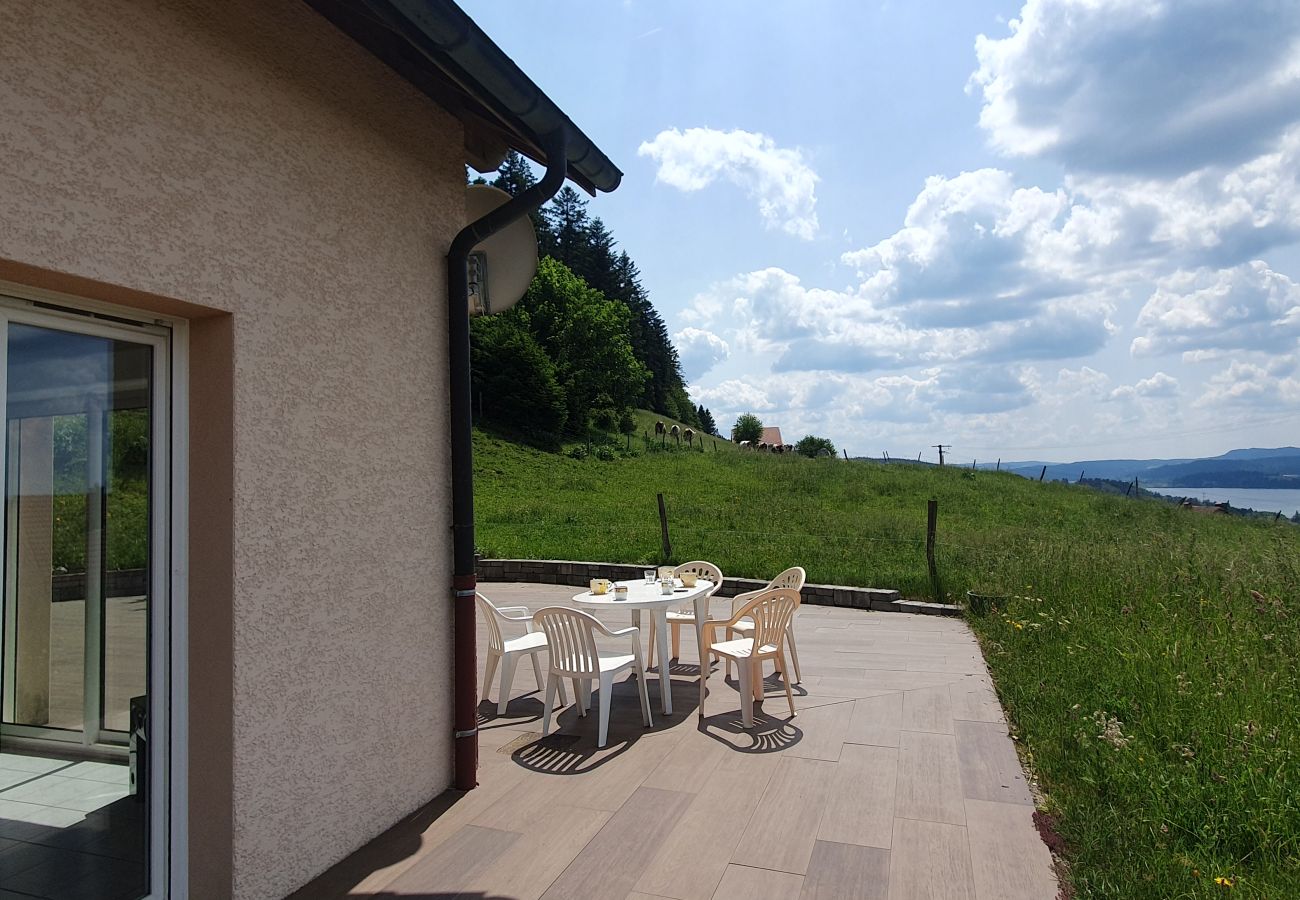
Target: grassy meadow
column 1148, row 657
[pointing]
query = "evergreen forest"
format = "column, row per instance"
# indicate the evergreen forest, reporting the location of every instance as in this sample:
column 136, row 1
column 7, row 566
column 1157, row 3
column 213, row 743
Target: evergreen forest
column 585, row 346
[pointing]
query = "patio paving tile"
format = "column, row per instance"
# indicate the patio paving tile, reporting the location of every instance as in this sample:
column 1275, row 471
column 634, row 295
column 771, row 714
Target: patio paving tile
column 614, row 859
column 846, row 872
column 783, row 828
column 746, row 883
column 929, row 861
column 929, row 786
column 990, row 769
column 860, row 809
column 890, row 782
column 1008, row 861
column 876, row 720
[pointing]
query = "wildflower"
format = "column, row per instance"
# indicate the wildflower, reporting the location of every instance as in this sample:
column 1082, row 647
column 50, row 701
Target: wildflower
column 1111, row 731
column 1224, row 882
column 1183, row 682
column 1018, row 626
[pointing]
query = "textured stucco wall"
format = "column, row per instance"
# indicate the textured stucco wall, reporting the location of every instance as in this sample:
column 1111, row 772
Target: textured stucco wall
column 247, row 157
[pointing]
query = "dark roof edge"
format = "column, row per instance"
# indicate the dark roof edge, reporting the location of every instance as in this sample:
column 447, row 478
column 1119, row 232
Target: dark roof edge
column 449, row 36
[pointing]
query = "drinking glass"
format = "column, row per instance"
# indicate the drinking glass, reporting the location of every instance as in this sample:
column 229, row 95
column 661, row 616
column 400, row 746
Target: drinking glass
column 649, row 576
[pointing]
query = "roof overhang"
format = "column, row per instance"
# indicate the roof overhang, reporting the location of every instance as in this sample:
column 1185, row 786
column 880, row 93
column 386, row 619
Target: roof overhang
column 435, row 46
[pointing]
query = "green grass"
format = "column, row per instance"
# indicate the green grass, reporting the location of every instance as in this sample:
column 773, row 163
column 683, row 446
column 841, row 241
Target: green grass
column 1156, row 699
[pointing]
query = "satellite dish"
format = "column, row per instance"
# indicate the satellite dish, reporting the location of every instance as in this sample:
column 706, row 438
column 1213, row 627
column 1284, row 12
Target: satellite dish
column 501, row 267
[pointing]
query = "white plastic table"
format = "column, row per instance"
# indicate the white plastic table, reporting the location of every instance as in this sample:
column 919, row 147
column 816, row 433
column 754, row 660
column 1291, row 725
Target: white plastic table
column 649, row 597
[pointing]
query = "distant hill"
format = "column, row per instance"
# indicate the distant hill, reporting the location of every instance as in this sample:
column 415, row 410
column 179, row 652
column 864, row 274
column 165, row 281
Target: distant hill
column 1253, row 467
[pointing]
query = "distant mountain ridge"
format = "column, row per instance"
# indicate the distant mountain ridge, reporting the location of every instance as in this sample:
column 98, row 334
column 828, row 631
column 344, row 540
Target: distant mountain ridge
column 1249, row 467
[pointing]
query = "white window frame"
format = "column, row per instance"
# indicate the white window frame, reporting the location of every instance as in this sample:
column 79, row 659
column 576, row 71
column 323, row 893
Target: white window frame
column 169, row 625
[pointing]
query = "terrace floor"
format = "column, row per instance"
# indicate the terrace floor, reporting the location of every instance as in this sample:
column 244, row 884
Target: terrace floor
column 897, row 779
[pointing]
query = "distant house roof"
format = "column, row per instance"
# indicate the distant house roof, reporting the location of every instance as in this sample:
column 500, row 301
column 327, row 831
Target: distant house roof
column 771, row 435
column 437, row 47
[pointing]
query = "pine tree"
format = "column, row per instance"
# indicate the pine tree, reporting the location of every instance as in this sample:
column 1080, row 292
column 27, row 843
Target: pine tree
column 706, row 420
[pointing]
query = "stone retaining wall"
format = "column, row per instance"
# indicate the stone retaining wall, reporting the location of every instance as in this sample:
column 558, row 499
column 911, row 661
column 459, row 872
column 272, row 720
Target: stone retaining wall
column 579, row 574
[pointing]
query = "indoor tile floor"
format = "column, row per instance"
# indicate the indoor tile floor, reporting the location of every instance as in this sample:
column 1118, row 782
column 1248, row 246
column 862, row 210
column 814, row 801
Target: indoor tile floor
column 68, row 829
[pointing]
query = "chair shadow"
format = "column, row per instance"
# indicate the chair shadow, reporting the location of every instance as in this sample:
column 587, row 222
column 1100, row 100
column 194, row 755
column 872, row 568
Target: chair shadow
column 769, row 733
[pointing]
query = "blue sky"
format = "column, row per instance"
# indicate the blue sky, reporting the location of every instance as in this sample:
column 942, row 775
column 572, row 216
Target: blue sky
column 1055, row 229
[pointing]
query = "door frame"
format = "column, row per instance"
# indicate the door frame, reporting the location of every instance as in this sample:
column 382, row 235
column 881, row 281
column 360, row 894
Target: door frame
column 168, row 746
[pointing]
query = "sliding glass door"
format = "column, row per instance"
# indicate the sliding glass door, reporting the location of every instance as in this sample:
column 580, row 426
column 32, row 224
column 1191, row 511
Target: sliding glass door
column 83, row 677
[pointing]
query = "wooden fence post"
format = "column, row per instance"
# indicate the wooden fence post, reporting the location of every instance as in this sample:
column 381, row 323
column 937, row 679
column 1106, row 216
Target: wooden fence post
column 931, row 522
column 999, row 468
column 663, row 529
column 1042, row 473
column 846, row 454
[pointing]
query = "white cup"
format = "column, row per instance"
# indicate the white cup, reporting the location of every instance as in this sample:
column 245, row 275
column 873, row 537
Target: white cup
column 666, row 586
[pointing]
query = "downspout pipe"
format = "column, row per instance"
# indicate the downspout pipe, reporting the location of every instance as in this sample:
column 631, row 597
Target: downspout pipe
column 464, row 579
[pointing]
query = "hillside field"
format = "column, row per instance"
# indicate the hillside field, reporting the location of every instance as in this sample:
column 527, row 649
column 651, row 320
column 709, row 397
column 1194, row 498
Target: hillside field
column 1146, row 655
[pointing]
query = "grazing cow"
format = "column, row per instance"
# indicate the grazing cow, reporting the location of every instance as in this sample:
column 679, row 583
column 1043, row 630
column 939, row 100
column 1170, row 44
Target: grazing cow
column 746, row 445
column 690, row 437
column 676, row 434
column 659, row 428
column 762, row 445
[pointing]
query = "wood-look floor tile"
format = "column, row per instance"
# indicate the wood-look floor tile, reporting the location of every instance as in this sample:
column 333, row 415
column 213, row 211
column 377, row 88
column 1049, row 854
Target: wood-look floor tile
column 688, row 766
column 822, row 731
column 783, row 828
column 548, row 842
column 990, row 769
column 860, row 806
column 745, row 883
column 451, row 866
column 927, row 709
column 846, row 872
column 614, row 859
column 876, row 720
column 1008, row 859
column 693, row 857
column 929, row 787
column 974, row 700
column 929, row 861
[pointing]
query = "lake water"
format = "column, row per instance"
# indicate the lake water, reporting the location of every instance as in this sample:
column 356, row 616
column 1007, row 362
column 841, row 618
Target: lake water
column 1259, row 499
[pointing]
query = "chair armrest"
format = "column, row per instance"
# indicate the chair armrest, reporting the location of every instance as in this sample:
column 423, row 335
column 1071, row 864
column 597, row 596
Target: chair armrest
column 526, row 618
column 622, row 632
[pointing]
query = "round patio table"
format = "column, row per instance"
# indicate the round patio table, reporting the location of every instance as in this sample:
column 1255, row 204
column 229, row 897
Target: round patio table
column 649, row 597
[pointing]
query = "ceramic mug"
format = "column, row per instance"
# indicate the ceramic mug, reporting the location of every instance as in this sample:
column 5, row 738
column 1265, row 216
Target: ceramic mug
column 599, row 585
column 688, row 579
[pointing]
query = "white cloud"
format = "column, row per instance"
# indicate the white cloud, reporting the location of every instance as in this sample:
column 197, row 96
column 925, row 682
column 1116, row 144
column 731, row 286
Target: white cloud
column 778, row 178
column 1247, row 307
column 1271, row 387
column 1152, row 86
column 1158, row 385
column 699, row 351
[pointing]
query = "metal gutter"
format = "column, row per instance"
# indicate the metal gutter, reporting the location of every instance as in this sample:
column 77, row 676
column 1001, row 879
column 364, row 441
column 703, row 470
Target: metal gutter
column 464, row 53
column 464, row 578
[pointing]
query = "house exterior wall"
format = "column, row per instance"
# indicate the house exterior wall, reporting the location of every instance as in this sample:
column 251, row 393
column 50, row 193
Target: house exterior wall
column 247, row 164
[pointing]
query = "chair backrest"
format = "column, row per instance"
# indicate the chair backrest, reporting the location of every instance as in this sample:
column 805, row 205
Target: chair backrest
column 702, row 569
column 489, row 611
column 792, row 578
column 570, row 635
column 771, row 612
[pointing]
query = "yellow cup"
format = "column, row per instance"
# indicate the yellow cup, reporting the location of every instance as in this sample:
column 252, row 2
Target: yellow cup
column 688, row 579
column 600, row 585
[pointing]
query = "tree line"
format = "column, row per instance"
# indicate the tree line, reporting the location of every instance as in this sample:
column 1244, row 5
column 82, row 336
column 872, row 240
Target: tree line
column 585, row 345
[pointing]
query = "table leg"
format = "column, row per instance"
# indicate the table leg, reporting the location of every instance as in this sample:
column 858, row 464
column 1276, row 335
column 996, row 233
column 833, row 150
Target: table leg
column 665, row 675
column 701, row 613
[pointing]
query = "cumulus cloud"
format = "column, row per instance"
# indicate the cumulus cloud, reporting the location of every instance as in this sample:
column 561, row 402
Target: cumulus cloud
column 1157, row 386
column 1270, row 386
column 777, row 178
column 1154, row 86
column 1247, row 307
column 699, row 351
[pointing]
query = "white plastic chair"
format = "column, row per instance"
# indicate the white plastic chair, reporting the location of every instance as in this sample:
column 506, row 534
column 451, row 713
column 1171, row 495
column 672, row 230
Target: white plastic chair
column 792, row 578
column 571, row 635
column 507, row 651
column 685, row 615
column 770, row 612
